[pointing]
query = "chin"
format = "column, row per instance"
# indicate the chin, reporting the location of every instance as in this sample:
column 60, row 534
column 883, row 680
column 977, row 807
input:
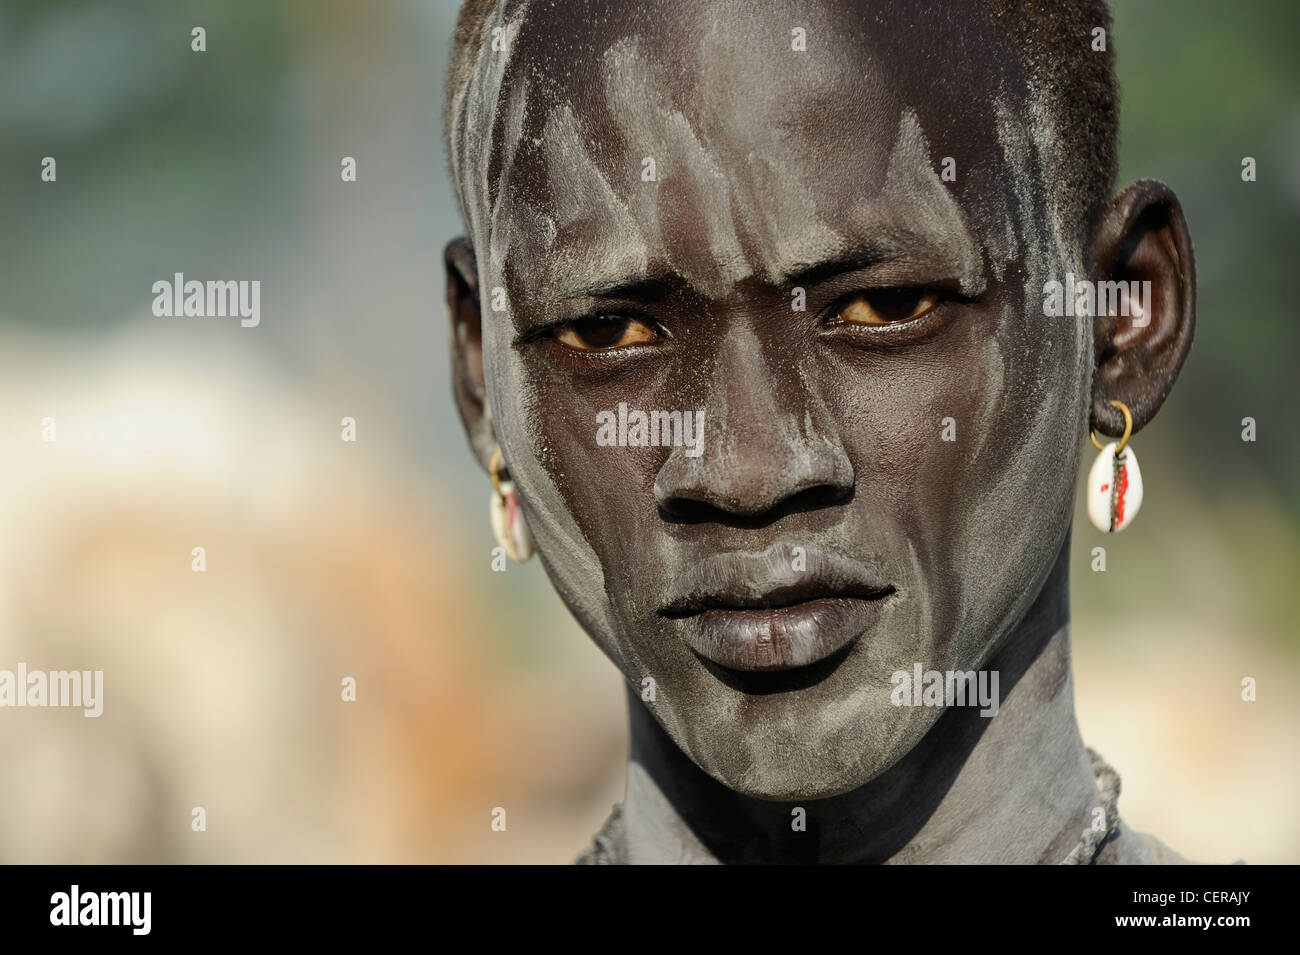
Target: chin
column 803, row 754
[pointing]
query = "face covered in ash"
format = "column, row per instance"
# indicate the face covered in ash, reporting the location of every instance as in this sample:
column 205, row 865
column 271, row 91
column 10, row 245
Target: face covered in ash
column 817, row 274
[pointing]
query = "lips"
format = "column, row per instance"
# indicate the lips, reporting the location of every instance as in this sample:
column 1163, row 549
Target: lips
column 782, row 609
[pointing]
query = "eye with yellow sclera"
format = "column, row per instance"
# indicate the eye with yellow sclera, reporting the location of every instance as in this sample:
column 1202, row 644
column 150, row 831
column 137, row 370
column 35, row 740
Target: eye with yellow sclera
column 598, row 333
column 888, row 306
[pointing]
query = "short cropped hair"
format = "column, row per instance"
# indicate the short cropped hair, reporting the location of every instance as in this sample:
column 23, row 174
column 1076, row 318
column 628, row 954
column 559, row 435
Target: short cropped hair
column 1055, row 43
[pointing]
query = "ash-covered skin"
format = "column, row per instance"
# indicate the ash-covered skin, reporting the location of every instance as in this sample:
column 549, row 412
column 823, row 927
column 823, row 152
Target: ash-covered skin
column 770, row 162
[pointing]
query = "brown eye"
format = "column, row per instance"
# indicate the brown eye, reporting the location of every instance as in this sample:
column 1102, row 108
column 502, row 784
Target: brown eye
column 888, row 306
column 604, row 332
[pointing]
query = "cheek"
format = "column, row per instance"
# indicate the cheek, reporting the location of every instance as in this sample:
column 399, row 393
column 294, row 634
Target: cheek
column 608, row 489
column 1010, row 478
column 921, row 425
column 550, row 455
column 966, row 449
column 593, row 506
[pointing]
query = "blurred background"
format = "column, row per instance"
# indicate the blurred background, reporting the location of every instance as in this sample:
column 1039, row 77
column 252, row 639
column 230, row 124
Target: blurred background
column 328, row 559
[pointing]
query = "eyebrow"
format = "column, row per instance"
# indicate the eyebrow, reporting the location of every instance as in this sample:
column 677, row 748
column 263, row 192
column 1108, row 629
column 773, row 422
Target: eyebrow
column 856, row 260
column 907, row 249
column 645, row 289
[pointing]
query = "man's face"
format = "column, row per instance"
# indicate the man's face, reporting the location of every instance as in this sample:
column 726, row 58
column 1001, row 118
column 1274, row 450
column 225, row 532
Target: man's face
column 885, row 475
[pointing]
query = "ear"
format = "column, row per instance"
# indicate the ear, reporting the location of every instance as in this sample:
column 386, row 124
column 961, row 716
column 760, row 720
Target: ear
column 1142, row 236
column 468, row 382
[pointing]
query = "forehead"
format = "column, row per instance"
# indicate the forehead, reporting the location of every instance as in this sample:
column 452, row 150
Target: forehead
column 725, row 140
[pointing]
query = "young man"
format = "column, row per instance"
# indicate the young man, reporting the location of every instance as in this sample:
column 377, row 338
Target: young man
column 824, row 230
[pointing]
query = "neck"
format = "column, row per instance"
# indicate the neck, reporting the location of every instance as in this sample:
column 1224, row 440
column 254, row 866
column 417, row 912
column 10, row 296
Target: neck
column 1014, row 788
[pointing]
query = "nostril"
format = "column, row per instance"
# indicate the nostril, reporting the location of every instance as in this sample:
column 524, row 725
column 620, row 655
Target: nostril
column 702, row 509
column 683, row 510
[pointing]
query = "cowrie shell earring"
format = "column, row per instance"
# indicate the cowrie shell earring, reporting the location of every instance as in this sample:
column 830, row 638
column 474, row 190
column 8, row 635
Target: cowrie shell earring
column 508, row 524
column 1115, row 481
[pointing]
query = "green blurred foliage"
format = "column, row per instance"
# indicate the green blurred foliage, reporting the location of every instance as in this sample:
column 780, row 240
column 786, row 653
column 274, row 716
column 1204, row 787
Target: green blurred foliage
column 167, row 159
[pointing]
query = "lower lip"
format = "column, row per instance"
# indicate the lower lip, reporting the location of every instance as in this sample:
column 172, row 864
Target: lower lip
column 780, row 638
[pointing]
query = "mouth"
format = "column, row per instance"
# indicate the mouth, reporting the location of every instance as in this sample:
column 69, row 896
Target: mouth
column 756, row 613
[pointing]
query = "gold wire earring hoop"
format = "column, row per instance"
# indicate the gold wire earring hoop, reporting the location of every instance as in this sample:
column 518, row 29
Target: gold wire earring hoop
column 1128, row 429
column 495, row 469
column 1114, row 481
column 508, row 523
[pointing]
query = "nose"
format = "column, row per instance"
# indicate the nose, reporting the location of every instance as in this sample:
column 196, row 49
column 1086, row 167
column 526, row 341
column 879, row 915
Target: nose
column 764, row 453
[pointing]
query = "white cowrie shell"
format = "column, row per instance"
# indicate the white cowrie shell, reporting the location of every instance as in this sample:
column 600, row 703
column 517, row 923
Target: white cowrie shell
column 510, row 529
column 1114, row 489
